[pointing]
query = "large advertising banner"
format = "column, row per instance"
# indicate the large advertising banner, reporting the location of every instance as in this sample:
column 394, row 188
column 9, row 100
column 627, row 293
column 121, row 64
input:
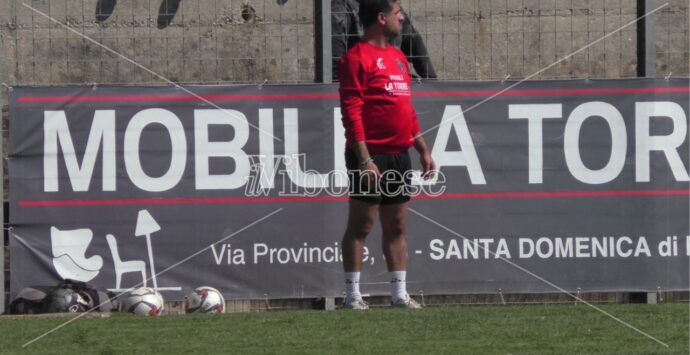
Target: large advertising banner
column 542, row 187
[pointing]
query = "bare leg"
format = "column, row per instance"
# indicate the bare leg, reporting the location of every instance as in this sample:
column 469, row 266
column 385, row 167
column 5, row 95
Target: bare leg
column 394, row 244
column 359, row 223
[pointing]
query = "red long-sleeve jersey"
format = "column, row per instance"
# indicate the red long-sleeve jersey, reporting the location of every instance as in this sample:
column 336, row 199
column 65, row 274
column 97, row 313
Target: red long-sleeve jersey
column 375, row 99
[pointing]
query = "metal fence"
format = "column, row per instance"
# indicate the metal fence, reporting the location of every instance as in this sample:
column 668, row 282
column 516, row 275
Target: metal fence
column 547, row 39
column 254, row 41
column 495, row 39
column 672, row 41
column 201, row 41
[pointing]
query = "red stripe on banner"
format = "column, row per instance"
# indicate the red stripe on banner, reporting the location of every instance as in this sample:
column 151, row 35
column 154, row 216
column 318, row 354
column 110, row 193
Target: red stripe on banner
column 180, row 201
column 283, row 97
column 239, row 200
column 275, row 97
column 557, row 194
column 561, row 92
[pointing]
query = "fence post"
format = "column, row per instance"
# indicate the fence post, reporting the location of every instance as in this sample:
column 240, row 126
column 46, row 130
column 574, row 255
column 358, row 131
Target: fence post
column 323, row 64
column 322, row 33
column 2, row 189
column 646, row 49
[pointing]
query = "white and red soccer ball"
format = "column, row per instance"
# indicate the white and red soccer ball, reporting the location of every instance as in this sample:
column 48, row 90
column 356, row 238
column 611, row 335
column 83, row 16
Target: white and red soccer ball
column 144, row 301
column 204, row 299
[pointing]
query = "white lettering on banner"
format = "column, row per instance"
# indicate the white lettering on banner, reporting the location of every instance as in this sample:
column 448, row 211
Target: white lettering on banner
column 472, row 249
column 669, row 144
column 303, row 254
column 102, row 136
column 535, row 115
column 669, row 246
column 463, row 249
column 178, row 154
column 232, row 256
column 266, row 149
column 55, row 129
column 340, row 178
column 583, row 247
column 571, row 142
column 204, row 150
column 308, row 179
column 437, row 252
column 467, row 156
column 645, row 143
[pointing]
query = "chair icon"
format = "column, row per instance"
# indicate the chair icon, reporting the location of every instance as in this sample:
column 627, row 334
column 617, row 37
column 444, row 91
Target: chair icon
column 122, row 267
column 69, row 254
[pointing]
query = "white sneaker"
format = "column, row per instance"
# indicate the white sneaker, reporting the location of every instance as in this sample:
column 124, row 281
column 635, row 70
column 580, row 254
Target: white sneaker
column 355, row 303
column 407, row 302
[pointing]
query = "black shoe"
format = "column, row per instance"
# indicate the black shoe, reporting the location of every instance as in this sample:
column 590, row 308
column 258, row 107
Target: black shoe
column 167, row 11
column 104, row 8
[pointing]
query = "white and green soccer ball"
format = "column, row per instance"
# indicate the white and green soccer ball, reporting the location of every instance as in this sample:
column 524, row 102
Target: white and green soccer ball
column 204, row 299
column 144, row 301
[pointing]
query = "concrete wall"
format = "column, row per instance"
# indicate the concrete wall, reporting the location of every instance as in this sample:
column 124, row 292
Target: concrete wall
column 210, row 41
column 672, row 40
column 493, row 39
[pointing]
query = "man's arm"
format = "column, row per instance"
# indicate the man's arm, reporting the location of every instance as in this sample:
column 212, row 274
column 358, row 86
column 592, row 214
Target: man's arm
column 428, row 164
column 366, row 163
column 352, row 83
column 352, row 86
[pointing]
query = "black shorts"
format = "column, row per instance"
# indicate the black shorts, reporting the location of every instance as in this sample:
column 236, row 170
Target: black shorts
column 394, row 186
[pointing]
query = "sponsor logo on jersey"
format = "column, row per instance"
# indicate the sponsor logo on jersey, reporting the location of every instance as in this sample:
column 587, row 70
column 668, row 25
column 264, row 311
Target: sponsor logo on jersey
column 379, row 64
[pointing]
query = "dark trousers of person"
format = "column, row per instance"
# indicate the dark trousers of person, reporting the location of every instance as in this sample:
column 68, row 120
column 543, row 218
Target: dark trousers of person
column 346, row 31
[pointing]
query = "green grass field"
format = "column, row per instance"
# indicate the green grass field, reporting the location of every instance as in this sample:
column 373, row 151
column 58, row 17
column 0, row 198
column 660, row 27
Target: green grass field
column 469, row 330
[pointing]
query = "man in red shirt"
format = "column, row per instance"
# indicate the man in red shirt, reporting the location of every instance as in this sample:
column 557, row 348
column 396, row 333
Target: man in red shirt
column 380, row 127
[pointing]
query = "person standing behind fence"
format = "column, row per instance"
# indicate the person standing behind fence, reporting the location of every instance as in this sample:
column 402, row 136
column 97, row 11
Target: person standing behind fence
column 380, row 127
column 346, row 32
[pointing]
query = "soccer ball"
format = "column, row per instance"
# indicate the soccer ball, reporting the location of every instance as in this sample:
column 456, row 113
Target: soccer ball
column 144, row 301
column 65, row 300
column 204, row 300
